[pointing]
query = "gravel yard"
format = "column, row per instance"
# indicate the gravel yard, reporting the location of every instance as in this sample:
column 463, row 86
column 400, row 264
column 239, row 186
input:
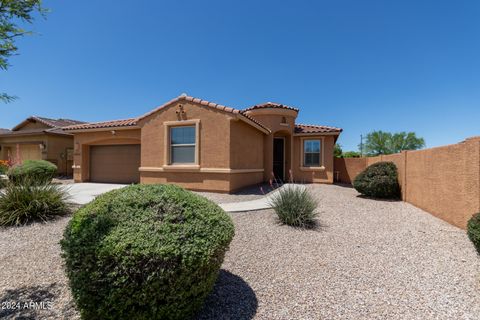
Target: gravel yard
column 366, row 259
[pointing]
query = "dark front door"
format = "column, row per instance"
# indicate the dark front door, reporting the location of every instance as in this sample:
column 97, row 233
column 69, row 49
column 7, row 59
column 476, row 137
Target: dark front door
column 278, row 158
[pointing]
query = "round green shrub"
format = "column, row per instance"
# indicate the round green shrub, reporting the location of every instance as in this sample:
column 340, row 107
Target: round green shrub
column 473, row 230
column 145, row 252
column 380, row 180
column 294, row 206
column 39, row 171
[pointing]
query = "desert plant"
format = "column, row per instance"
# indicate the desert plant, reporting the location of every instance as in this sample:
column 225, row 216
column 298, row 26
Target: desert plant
column 39, row 171
column 473, row 230
column 27, row 201
column 294, row 205
column 145, row 252
column 380, row 180
column 3, row 166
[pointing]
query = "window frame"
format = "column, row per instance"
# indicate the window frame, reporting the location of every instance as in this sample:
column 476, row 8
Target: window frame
column 320, row 166
column 169, row 147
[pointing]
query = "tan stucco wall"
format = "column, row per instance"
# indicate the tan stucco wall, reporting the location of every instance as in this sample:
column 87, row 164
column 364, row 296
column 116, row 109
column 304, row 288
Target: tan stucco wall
column 246, row 146
column 348, row 168
column 214, row 135
column 57, row 152
column 444, row 181
column 56, row 145
column 83, row 140
column 314, row 176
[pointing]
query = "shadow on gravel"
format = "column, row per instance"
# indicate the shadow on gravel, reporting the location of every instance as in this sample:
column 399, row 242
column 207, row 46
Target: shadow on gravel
column 379, row 199
column 35, row 302
column 232, row 298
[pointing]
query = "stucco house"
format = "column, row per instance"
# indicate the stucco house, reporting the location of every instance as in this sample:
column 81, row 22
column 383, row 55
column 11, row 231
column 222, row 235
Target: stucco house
column 203, row 145
column 39, row 138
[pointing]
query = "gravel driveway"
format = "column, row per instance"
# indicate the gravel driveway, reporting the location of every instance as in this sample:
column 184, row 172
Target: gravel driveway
column 367, row 259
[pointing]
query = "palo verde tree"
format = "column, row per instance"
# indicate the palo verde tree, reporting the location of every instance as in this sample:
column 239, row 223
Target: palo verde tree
column 13, row 12
column 380, row 142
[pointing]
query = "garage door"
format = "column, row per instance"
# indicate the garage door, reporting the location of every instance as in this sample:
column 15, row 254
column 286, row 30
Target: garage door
column 115, row 163
column 30, row 152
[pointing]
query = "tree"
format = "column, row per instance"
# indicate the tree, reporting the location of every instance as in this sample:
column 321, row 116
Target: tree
column 337, row 151
column 380, row 142
column 11, row 13
column 351, row 154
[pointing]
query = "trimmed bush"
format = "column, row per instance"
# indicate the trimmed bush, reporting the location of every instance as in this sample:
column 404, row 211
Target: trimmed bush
column 380, row 180
column 39, row 171
column 473, row 230
column 27, row 201
column 145, row 252
column 294, row 206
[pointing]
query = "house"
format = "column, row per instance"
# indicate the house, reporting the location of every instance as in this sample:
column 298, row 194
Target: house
column 203, row 145
column 38, row 138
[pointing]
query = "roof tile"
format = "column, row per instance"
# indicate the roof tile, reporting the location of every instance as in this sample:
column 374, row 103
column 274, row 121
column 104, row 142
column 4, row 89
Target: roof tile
column 273, row 105
column 308, row 128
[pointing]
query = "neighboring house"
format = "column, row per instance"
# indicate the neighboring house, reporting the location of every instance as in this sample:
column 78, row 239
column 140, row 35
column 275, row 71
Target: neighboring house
column 202, row 145
column 39, row 138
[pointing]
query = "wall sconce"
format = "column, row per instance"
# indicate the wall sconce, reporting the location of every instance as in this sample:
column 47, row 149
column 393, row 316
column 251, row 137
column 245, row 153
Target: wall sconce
column 42, row 146
column 113, row 132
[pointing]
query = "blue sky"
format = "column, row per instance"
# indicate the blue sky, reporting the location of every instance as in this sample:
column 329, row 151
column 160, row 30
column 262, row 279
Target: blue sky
column 360, row 65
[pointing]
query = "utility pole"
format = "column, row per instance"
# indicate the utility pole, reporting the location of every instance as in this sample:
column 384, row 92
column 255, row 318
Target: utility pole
column 361, row 145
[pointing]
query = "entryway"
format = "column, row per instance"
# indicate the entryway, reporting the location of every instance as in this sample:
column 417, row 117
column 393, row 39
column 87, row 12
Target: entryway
column 279, row 158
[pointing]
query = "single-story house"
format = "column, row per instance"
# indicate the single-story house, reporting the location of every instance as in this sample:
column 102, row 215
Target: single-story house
column 39, row 138
column 202, row 145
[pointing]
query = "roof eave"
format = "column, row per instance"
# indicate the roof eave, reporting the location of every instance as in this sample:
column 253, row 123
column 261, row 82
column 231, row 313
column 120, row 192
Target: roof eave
column 102, row 129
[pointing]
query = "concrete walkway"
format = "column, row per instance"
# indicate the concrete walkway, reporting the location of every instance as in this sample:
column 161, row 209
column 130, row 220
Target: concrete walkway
column 83, row 193
column 258, row 204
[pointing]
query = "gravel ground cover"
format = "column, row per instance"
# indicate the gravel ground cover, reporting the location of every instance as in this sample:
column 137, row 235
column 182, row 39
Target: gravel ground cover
column 366, row 259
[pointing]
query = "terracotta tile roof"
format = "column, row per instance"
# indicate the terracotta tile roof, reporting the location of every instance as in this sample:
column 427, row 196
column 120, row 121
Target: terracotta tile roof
column 307, row 128
column 52, row 123
column 206, row 104
column 11, row 133
column 273, row 105
column 105, row 124
column 59, row 123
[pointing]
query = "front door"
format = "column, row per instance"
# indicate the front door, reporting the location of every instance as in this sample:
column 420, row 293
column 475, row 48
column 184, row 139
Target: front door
column 279, row 158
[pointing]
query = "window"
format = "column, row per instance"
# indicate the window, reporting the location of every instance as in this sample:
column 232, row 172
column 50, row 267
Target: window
column 311, row 153
column 182, row 145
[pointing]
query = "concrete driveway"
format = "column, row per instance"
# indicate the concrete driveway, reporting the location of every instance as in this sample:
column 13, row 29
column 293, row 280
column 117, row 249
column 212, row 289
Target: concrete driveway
column 83, row 193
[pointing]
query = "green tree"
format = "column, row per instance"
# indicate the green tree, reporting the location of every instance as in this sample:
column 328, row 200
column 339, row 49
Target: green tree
column 380, row 142
column 337, row 151
column 351, row 154
column 13, row 12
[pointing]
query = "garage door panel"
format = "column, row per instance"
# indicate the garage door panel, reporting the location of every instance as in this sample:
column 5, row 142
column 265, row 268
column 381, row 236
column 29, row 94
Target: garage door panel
column 115, row 163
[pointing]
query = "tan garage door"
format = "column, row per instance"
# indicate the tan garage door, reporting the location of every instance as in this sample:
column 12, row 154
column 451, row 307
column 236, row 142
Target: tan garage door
column 30, row 152
column 115, row 163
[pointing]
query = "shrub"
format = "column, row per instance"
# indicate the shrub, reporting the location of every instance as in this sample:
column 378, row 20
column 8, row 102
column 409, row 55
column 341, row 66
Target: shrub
column 145, row 252
column 27, row 201
column 294, row 206
column 39, row 171
column 380, row 180
column 473, row 229
column 3, row 166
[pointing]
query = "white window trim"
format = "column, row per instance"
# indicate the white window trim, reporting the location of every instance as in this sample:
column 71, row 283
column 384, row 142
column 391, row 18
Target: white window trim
column 167, row 145
column 322, row 154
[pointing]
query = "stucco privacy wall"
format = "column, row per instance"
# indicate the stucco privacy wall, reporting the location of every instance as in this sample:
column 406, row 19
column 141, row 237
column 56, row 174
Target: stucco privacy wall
column 346, row 169
column 444, row 181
